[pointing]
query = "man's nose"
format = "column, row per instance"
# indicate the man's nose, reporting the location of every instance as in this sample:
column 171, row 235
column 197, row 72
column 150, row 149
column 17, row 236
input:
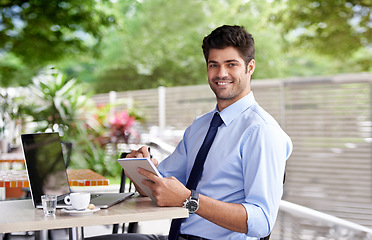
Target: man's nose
column 222, row 72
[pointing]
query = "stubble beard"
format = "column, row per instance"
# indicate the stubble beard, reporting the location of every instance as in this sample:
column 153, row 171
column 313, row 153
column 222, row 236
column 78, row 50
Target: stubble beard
column 229, row 95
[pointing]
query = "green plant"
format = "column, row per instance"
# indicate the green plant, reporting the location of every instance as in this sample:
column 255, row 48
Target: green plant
column 102, row 138
column 57, row 103
column 65, row 105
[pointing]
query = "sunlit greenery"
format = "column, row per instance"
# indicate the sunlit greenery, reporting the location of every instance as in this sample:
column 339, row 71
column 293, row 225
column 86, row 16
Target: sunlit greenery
column 132, row 44
column 34, row 33
column 54, row 102
column 104, row 45
column 342, row 28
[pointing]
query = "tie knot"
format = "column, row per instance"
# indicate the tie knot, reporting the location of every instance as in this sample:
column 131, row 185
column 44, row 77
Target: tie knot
column 216, row 120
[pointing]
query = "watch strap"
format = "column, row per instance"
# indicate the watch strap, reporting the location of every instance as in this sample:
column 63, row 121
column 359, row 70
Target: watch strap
column 194, row 195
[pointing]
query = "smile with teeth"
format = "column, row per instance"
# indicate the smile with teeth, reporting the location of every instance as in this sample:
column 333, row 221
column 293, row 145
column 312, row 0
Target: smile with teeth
column 222, row 83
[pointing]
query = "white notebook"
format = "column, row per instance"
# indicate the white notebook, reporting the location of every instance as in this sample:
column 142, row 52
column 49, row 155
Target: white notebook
column 130, row 166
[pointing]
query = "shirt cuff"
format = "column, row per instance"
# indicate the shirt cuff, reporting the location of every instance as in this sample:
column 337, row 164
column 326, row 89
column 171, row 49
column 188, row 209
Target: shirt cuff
column 257, row 222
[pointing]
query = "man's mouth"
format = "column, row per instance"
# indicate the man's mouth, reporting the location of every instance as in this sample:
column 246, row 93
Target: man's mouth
column 223, row 83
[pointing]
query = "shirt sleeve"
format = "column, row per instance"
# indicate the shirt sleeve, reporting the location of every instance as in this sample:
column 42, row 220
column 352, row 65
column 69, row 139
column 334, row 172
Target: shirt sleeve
column 175, row 164
column 264, row 154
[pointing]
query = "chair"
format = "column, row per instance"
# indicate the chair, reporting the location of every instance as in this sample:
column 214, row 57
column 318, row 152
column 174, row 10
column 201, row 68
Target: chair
column 132, row 227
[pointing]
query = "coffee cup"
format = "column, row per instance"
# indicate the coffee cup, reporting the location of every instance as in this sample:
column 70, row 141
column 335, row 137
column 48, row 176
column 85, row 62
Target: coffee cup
column 78, row 201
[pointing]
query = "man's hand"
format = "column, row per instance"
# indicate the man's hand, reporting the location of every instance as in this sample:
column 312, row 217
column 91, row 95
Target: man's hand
column 143, row 152
column 169, row 192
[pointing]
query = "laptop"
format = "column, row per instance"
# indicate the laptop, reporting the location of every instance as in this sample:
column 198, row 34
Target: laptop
column 47, row 174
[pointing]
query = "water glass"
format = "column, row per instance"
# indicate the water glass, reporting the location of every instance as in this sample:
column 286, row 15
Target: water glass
column 49, row 203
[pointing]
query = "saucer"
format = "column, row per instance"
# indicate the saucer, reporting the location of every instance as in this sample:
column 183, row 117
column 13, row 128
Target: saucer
column 74, row 212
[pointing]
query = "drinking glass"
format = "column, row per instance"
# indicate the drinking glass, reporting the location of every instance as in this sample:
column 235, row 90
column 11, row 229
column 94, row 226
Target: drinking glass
column 49, row 203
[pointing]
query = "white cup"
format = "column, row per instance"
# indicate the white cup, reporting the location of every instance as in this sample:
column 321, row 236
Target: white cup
column 78, row 201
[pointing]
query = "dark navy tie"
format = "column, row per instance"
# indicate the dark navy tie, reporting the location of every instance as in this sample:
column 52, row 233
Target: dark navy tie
column 197, row 169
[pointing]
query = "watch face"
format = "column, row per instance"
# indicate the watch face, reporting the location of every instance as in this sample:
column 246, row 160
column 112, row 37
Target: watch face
column 192, row 206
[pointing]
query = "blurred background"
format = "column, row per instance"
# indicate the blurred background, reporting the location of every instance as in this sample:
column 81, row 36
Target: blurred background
column 111, row 75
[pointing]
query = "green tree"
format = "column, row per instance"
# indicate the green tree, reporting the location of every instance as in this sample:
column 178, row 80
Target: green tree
column 34, row 33
column 341, row 29
column 158, row 42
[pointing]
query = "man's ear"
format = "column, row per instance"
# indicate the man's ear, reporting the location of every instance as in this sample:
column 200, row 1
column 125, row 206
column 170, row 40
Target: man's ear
column 251, row 66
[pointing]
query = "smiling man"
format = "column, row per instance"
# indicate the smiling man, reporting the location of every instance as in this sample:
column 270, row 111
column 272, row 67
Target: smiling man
column 233, row 187
column 228, row 75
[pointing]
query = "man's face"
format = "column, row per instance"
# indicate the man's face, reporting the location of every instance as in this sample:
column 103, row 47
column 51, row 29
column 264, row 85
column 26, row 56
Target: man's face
column 228, row 76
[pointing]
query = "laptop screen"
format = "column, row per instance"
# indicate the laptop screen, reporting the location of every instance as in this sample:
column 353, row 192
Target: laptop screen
column 45, row 165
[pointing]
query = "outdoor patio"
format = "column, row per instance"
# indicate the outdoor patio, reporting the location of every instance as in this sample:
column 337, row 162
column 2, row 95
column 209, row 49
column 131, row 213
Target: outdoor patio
column 329, row 121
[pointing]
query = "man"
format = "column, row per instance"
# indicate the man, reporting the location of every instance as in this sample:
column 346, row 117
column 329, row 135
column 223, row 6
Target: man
column 241, row 181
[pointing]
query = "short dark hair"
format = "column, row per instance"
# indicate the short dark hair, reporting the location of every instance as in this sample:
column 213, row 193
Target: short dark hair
column 230, row 36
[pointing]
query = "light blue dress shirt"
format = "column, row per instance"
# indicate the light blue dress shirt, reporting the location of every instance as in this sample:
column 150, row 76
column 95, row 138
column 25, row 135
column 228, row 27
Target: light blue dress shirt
column 245, row 165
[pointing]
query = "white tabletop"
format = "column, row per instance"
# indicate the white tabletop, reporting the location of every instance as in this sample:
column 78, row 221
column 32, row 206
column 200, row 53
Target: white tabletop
column 20, row 215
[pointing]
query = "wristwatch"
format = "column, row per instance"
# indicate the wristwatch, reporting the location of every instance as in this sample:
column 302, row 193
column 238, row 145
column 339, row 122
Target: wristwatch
column 192, row 204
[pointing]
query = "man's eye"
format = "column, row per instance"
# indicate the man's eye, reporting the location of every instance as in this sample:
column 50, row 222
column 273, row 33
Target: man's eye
column 232, row 65
column 212, row 65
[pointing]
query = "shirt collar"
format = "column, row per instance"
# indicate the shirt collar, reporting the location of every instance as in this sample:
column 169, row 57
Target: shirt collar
column 234, row 110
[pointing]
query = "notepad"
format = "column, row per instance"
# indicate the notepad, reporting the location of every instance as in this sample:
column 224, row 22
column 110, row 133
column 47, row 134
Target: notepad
column 130, row 166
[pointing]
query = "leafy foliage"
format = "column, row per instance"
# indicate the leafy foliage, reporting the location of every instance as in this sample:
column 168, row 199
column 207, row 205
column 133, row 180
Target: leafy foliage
column 339, row 28
column 145, row 44
column 159, row 43
column 57, row 103
column 36, row 32
column 155, row 45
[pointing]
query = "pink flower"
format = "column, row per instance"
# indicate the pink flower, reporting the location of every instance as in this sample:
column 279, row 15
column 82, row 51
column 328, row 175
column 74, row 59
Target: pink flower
column 122, row 120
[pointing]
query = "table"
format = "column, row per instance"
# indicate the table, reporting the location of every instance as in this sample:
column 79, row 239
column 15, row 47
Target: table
column 20, row 216
column 76, row 177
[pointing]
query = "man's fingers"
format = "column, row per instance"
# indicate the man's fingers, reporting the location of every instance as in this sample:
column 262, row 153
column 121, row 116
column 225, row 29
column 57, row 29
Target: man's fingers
column 145, row 151
column 136, row 154
column 149, row 175
column 148, row 183
column 140, row 153
column 150, row 178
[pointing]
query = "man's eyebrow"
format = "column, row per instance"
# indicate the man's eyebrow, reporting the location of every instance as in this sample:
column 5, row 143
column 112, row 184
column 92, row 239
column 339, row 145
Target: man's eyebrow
column 212, row 61
column 231, row 60
column 227, row 61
